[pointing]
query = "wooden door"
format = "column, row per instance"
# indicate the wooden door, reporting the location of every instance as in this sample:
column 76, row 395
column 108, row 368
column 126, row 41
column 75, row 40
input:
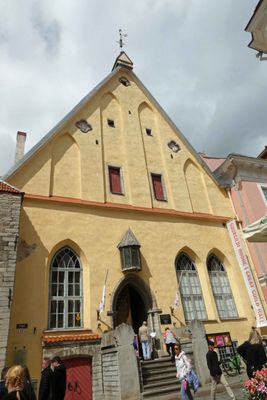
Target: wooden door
column 79, row 379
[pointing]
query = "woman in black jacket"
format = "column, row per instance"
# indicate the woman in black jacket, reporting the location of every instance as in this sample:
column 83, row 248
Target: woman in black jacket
column 27, row 384
column 252, row 351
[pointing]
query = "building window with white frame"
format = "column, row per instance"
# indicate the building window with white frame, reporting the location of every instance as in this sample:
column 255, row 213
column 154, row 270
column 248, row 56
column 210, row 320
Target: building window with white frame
column 65, row 300
column 221, row 288
column 190, row 289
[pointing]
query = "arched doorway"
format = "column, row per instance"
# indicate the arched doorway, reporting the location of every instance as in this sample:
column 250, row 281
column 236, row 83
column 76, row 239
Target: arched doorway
column 131, row 303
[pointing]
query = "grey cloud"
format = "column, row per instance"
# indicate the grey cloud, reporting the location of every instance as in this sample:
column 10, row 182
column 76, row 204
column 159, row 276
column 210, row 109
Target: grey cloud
column 7, row 153
column 48, row 30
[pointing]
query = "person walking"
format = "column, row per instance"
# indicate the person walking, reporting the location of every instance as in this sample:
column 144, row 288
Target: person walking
column 145, row 341
column 183, row 369
column 60, row 378
column 216, row 373
column 252, row 351
column 47, row 386
column 14, row 384
column 170, row 340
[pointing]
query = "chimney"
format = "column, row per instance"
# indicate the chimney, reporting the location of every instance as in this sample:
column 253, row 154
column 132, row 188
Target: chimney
column 21, row 138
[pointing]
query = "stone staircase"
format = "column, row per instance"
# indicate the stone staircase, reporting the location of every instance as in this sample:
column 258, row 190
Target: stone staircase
column 158, row 378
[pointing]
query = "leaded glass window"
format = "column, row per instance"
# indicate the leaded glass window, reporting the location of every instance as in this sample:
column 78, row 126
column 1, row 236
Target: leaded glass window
column 65, row 303
column 190, row 289
column 221, row 288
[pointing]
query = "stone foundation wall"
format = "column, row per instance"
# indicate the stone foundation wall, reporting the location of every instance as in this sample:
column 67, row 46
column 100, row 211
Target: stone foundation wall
column 10, row 206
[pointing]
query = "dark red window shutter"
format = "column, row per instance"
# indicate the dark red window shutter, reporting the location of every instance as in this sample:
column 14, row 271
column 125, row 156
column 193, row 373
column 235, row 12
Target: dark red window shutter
column 115, row 179
column 157, row 187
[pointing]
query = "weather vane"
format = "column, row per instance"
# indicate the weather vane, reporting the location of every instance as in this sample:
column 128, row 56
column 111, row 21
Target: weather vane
column 122, row 35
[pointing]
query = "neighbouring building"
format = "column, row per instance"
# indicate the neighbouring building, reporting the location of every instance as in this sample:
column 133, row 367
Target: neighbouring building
column 246, row 179
column 257, row 26
column 10, row 206
column 119, row 214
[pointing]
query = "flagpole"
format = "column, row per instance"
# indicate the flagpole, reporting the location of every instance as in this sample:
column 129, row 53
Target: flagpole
column 103, row 298
column 172, row 308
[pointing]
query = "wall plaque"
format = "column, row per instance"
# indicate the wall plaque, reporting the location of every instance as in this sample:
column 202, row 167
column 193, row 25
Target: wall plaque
column 21, row 326
column 165, row 319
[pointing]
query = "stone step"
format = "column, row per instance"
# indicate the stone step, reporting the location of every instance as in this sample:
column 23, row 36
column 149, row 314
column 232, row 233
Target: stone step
column 164, row 359
column 155, row 393
column 156, row 378
column 156, row 368
column 158, row 374
column 162, row 383
column 159, row 378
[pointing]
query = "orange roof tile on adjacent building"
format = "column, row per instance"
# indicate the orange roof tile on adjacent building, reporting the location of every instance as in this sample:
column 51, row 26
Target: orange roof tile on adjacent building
column 70, row 338
column 5, row 187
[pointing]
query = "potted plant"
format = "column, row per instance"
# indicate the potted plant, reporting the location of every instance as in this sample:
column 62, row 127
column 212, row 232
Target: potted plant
column 256, row 387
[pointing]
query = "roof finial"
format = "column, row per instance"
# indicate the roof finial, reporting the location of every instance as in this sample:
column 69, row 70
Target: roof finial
column 122, row 35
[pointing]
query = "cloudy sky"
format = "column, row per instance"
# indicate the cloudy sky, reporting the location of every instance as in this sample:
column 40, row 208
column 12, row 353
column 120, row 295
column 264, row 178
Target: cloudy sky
column 192, row 55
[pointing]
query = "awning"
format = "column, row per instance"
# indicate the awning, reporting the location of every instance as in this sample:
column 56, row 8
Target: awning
column 257, row 231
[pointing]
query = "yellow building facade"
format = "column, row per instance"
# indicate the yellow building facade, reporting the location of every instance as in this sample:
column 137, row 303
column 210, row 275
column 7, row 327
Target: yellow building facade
column 117, row 162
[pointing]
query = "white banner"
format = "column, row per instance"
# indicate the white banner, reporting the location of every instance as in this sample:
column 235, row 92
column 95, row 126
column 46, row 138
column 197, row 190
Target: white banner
column 103, row 297
column 247, row 274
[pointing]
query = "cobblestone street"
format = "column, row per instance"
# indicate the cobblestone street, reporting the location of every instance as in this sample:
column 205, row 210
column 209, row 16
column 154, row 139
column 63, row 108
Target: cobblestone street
column 236, row 384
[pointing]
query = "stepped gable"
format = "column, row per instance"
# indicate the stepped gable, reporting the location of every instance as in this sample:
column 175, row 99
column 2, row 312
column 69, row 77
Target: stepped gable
column 122, row 64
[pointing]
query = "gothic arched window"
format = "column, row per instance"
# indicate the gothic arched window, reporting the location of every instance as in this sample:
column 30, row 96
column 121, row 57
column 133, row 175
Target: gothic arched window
column 190, row 289
column 65, row 300
column 221, row 288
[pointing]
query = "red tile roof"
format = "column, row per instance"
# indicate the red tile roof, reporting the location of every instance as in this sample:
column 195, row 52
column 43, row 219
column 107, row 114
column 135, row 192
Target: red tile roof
column 5, row 187
column 70, row 338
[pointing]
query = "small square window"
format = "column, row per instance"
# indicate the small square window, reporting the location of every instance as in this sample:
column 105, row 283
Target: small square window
column 115, row 183
column 158, row 188
column 111, row 123
column 149, row 132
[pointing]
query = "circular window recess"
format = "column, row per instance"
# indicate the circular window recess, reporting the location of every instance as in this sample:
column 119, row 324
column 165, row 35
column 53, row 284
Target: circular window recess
column 83, row 126
column 174, row 146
